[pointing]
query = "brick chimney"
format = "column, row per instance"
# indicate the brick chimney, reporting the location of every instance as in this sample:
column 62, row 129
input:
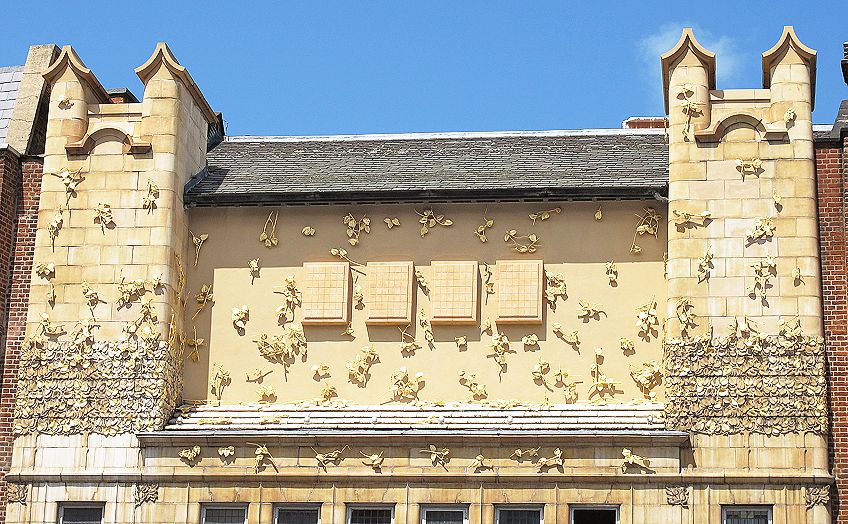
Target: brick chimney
column 845, row 62
column 644, row 122
column 122, row 95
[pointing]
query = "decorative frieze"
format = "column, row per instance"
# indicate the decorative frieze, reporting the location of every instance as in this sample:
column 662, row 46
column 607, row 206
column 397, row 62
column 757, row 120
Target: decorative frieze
column 746, row 382
column 98, row 387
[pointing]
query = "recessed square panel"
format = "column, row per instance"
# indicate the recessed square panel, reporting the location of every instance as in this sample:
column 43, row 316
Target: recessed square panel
column 453, row 292
column 519, row 291
column 325, row 297
column 389, row 299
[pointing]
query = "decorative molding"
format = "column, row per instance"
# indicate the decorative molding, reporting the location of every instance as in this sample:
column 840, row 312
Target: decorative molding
column 738, row 383
column 677, row 496
column 146, row 493
column 17, row 493
column 817, row 496
column 130, row 385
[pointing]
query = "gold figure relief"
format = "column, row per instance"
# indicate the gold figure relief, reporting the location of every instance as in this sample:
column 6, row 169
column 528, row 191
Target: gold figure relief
column 148, row 202
column 71, row 181
column 763, row 230
column 753, row 166
column 684, row 219
column 612, row 273
column 632, row 460
column 438, row 456
column 555, row 287
column 520, row 455
column 648, row 224
column 408, row 346
column 480, row 232
column 488, row 284
column 266, row 394
column 308, row 231
column 195, row 344
column 45, row 270
column 190, row 456
column 253, row 267
column 54, row 226
column 599, row 214
column 686, row 314
column 292, row 299
column 590, row 311
column 554, row 461
column 392, row 222
column 227, row 453
column 220, row 380
column 469, row 381
column 356, row 227
column 359, row 371
column 689, row 107
column 602, row 386
column 479, row 464
column 202, row 298
column 646, row 320
column 429, row 220
column 705, row 265
column 499, row 347
column 648, row 377
column 331, row 458
column 240, row 317
column 405, row 387
column 269, row 238
column 262, row 457
column 522, row 243
column 198, row 244
column 103, row 217
column 541, row 216
column 375, row 461
column 763, row 271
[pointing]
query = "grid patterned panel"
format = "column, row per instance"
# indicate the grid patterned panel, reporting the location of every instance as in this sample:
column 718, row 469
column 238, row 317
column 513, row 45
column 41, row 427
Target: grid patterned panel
column 389, row 299
column 520, row 291
column 453, row 294
column 325, row 298
column 441, row 516
column 519, row 516
column 370, row 516
column 297, row 516
column 225, row 515
column 746, row 516
column 82, row 515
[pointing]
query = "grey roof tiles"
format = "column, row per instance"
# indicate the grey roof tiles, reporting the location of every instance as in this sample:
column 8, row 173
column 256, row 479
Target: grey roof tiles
column 576, row 164
column 10, row 81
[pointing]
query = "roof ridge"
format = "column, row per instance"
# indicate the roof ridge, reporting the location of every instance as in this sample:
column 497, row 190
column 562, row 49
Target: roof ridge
column 442, row 135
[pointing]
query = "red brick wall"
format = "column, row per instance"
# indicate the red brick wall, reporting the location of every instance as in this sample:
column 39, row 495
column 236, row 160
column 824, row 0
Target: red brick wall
column 10, row 188
column 831, row 180
column 17, row 280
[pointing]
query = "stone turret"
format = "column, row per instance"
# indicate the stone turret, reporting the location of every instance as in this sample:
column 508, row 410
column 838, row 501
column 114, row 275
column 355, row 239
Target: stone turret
column 111, row 246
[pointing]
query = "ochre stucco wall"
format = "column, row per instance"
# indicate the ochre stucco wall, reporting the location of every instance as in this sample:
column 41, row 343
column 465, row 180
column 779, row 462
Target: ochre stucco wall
column 573, row 243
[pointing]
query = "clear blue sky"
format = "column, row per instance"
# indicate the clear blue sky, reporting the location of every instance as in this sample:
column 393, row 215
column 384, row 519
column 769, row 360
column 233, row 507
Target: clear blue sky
column 311, row 67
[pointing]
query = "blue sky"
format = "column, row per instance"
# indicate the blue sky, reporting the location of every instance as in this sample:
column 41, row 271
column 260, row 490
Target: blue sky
column 293, row 68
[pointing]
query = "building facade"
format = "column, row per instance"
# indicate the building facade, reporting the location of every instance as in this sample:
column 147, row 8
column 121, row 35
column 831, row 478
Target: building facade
column 602, row 326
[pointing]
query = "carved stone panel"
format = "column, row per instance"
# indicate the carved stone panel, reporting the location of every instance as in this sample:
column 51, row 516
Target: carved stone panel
column 325, row 296
column 389, row 299
column 453, row 295
column 520, row 291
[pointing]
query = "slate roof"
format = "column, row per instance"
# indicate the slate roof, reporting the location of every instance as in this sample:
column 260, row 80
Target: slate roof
column 10, row 81
column 607, row 163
